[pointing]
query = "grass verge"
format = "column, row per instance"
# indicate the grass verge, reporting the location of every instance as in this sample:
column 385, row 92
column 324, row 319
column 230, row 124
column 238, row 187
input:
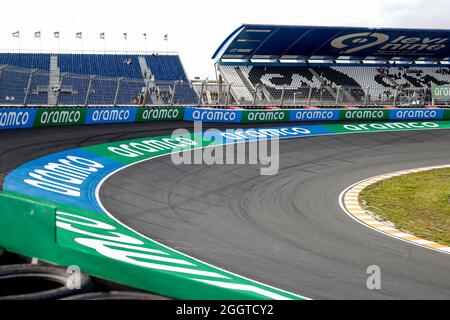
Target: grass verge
column 418, row 203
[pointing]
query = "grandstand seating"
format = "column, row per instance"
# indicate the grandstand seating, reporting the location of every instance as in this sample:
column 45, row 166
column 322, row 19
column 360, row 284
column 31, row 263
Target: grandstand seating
column 104, row 65
column 26, row 60
column 13, row 85
column 168, row 69
column 353, row 81
column 74, row 71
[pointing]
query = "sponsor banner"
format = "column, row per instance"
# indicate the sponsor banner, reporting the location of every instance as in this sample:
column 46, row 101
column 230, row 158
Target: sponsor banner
column 159, row 114
column 315, row 115
column 440, row 92
column 364, row 114
column 387, row 126
column 110, row 115
column 17, row 118
column 253, row 134
column 67, row 177
column 416, row 114
column 212, row 115
column 132, row 151
column 256, row 116
column 60, row 117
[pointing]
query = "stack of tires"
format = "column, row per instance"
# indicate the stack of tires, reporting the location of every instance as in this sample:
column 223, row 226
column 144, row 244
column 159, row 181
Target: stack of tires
column 22, row 280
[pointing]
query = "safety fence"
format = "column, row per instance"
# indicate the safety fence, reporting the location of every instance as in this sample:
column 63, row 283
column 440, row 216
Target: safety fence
column 17, row 118
column 35, row 87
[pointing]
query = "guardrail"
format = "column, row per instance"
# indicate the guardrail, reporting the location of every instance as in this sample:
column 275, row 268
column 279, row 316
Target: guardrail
column 20, row 118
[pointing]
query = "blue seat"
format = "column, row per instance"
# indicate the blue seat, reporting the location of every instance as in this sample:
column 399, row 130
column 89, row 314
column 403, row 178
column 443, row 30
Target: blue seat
column 106, row 68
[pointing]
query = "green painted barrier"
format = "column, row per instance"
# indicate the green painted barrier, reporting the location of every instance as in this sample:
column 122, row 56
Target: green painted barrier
column 49, row 117
column 71, row 236
column 160, row 114
column 259, row 116
column 446, row 114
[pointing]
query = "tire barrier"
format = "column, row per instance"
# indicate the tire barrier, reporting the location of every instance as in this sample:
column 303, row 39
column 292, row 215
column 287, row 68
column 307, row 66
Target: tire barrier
column 116, row 295
column 7, row 258
column 31, row 282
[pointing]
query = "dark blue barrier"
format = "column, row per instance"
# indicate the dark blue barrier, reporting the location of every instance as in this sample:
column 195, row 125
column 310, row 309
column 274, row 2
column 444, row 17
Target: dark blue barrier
column 416, row 114
column 17, row 118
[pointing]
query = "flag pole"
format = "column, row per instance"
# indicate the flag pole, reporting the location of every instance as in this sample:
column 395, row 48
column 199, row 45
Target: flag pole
column 166, row 38
column 145, row 41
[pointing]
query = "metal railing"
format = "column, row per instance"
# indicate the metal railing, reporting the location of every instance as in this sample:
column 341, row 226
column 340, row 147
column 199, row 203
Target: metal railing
column 325, row 96
column 31, row 87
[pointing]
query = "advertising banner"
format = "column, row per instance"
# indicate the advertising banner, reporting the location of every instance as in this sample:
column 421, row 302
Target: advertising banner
column 159, row 114
column 364, row 114
column 212, row 115
column 315, row 115
column 110, row 115
column 49, row 117
column 416, row 114
column 16, row 118
column 67, row 177
column 440, row 92
column 256, row 116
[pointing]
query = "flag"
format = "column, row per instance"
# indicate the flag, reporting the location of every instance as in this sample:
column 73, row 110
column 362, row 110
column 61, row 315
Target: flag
column 16, row 34
column 102, row 36
column 37, row 34
column 56, row 34
column 79, row 35
column 145, row 36
column 166, row 37
column 125, row 35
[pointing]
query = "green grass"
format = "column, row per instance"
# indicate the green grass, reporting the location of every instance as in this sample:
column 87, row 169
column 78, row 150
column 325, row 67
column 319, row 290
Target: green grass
column 418, row 203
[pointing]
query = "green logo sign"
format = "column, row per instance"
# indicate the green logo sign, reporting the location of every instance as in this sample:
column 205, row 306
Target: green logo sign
column 266, row 116
column 441, row 92
column 159, row 114
column 60, row 117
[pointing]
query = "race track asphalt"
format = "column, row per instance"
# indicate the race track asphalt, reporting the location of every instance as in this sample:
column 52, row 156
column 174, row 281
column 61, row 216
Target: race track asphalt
column 286, row 230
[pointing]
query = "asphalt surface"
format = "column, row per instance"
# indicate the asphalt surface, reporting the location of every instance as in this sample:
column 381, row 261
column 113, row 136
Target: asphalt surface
column 286, row 230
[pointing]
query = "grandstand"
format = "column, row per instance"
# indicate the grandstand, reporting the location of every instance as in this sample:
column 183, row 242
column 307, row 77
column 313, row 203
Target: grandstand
column 257, row 65
column 93, row 79
column 333, row 66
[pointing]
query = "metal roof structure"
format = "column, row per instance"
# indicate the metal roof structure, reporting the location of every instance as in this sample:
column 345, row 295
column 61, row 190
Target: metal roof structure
column 302, row 43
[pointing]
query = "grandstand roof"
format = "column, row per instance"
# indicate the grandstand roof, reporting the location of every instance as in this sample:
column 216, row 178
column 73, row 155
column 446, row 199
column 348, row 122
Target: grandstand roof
column 271, row 42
